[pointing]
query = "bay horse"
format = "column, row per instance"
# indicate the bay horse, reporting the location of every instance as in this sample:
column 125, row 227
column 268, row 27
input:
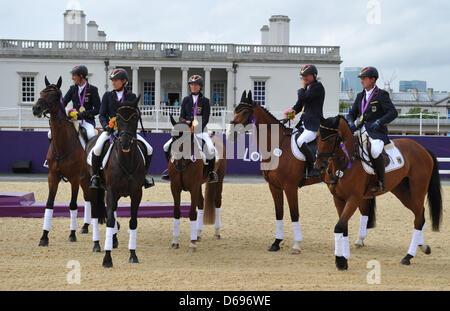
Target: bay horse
column 65, row 158
column 338, row 151
column 289, row 175
column 124, row 176
column 188, row 172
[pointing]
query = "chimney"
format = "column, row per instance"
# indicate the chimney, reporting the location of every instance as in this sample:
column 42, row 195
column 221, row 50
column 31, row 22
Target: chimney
column 279, row 30
column 74, row 25
column 92, row 31
column 101, row 36
column 430, row 92
column 265, row 35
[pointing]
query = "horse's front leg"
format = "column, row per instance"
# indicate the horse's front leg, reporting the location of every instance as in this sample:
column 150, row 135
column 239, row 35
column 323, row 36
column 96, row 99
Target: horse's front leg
column 292, row 197
column 176, row 193
column 341, row 239
column 74, row 209
column 87, row 204
column 277, row 195
column 53, row 181
column 111, row 202
column 195, row 193
column 200, row 213
column 135, row 201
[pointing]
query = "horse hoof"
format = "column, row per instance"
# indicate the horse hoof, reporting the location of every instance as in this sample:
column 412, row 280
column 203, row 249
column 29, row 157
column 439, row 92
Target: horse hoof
column 107, row 264
column 175, row 246
column 426, row 249
column 357, row 245
column 96, row 248
column 407, row 260
column 274, row 248
column 198, row 238
column 341, row 263
column 118, row 226
column 72, row 238
column 133, row 259
column 115, row 241
column 84, row 229
column 217, row 236
column 295, row 251
column 43, row 242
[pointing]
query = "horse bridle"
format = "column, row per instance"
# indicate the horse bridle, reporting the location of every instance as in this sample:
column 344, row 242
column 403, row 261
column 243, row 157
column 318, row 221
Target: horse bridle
column 239, row 108
column 125, row 132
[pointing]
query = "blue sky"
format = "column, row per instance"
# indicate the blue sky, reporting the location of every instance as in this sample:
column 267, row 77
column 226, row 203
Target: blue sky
column 412, row 37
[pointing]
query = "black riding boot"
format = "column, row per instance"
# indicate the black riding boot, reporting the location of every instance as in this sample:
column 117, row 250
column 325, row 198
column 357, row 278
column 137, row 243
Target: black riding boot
column 311, row 172
column 95, row 180
column 211, row 173
column 166, row 175
column 149, row 182
column 379, row 170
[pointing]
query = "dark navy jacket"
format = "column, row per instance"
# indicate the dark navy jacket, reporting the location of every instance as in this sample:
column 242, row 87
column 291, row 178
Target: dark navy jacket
column 203, row 110
column 91, row 101
column 108, row 108
column 380, row 108
column 312, row 101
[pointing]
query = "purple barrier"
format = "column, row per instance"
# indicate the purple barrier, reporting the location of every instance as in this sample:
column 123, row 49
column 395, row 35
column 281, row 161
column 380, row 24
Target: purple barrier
column 17, row 145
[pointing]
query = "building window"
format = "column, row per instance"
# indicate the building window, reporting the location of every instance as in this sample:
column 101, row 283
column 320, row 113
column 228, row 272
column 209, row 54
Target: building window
column 259, row 92
column 28, row 89
column 149, row 93
column 129, row 87
column 218, row 93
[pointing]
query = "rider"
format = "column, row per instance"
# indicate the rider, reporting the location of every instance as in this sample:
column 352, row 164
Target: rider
column 85, row 101
column 197, row 104
column 374, row 109
column 108, row 109
column 311, row 96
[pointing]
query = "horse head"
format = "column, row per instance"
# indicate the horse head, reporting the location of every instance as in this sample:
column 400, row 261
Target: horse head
column 49, row 100
column 243, row 116
column 127, row 118
column 332, row 133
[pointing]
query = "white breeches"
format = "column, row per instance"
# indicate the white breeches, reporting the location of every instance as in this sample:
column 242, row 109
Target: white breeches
column 90, row 130
column 306, row 137
column 167, row 145
column 105, row 136
column 377, row 145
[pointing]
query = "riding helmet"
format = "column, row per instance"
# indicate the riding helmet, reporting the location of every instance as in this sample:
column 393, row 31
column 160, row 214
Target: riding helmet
column 119, row 73
column 370, row 72
column 80, row 70
column 196, row 79
column 308, row 70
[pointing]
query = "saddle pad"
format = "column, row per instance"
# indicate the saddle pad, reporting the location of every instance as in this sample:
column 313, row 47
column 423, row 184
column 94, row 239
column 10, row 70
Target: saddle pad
column 294, row 147
column 106, row 157
column 76, row 125
column 397, row 160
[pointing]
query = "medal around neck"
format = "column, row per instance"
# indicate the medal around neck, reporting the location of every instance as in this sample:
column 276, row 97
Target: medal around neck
column 195, row 122
column 82, row 109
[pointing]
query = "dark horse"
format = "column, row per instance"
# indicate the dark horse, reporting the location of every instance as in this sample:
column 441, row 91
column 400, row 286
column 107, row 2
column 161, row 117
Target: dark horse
column 124, row 176
column 288, row 175
column 338, row 151
column 188, row 172
column 65, row 158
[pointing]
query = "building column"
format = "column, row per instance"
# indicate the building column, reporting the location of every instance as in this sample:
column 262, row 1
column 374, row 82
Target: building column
column 157, row 87
column 135, row 87
column 184, row 83
column 207, row 90
column 230, row 90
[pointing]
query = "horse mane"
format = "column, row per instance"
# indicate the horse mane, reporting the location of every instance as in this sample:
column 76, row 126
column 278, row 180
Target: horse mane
column 272, row 116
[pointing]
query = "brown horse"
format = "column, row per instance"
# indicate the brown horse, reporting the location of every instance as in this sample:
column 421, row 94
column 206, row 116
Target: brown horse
column 188, row 172
column 65, row 158
column 288, row 175
column 338, row 152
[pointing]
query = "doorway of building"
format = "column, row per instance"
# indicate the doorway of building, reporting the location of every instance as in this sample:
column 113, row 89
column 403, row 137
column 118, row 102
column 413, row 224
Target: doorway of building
column 174, row 99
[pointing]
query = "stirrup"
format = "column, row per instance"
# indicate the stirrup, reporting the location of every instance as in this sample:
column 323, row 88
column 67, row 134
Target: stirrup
column 213, row 178
column 312, row 173
column 94, row 183
column 149, row 182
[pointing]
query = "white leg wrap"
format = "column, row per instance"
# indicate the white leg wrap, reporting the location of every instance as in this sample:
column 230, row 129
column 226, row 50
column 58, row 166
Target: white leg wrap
column 193, row 230
column 416, row 239
column 132, row 241
column 95, row 232
column 48, row 219
column 87, row 212
column 176, row 227
column 116, row 228
column 217, row 224
column 200, row 219
column 279, row 233
column 346, row 247
column 296, row 245
column 73, row 219
column 338, row 247
column 362, row 234
column 298, row 237
column 109, row 238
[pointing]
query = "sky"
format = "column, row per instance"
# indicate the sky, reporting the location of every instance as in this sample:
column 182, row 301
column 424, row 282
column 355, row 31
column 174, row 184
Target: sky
column 404, row 39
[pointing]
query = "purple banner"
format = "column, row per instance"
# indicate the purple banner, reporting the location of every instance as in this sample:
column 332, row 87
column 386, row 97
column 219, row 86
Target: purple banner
column 24, row 145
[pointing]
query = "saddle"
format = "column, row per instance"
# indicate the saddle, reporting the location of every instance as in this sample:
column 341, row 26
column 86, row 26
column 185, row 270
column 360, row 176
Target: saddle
column 387, row 159
column 296, row 148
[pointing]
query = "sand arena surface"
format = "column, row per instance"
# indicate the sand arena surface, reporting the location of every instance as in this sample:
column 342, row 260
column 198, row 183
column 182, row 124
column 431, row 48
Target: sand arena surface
column 239, row 261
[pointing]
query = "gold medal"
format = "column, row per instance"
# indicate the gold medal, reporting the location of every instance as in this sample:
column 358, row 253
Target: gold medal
column 361, row 118
column 82, row 109
column 195, row 122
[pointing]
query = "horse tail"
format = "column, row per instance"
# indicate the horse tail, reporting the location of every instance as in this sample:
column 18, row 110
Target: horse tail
column 210, row 203
column 99, row 208
column 372, row 205
column 435, row 195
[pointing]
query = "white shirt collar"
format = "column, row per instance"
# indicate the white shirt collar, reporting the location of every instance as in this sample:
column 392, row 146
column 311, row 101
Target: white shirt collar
column 368, row 93
column 119, row 94
column 81, row 87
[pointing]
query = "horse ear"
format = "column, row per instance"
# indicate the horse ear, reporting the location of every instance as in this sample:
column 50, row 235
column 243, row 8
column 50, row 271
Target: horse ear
column 46, row 82
column 59, row 83
column 172, row 120
column 250, row 97
column 138, row 99
column 244, row 95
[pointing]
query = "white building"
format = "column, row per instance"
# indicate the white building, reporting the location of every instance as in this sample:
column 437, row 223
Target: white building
column 159, row 71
